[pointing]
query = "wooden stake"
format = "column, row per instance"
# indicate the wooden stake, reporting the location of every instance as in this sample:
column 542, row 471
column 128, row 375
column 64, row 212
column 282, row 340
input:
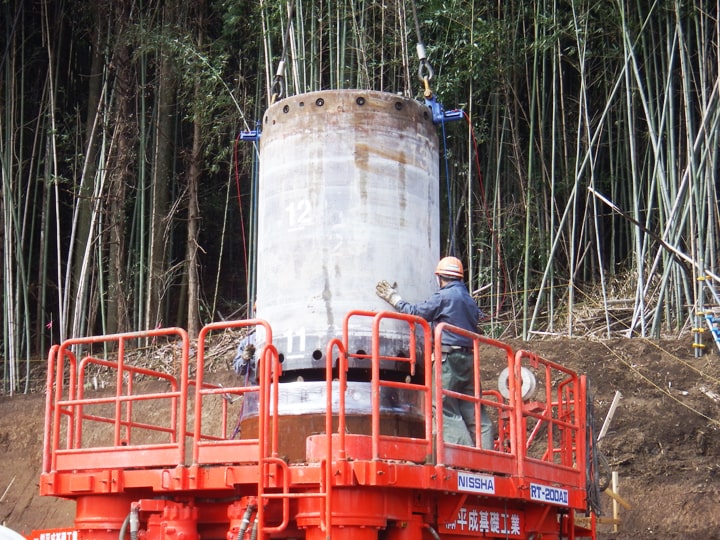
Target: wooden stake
column 615, row 504
column 609, row 416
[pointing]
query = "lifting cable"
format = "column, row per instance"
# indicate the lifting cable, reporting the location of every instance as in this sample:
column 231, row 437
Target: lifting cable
column 425, row 70
column 277, row 91
column 425, row 75
column 277, row 85
column 236, row 172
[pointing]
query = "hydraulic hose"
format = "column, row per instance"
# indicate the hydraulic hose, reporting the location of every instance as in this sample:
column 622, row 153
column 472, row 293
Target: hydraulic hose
column 245, row 521
column 592, row 466
column 133, row 521
column 123, row 528
column 432, row 531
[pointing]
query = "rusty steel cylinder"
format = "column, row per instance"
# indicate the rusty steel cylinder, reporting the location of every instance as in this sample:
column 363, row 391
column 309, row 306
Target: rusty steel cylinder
column 348, row 196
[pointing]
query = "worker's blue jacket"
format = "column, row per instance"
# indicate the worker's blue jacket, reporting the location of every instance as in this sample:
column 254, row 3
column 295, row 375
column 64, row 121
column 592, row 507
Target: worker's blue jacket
column 451, row 304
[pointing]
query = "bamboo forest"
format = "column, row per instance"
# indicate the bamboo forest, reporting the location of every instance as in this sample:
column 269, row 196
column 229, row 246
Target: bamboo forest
column 580, row 188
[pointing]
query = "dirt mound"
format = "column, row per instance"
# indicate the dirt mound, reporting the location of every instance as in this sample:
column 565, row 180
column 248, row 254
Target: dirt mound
column 664, row 438
column 21, row 446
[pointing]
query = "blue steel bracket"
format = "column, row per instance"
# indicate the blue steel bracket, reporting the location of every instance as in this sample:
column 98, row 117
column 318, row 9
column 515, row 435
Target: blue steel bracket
column 250, row 136
column 439, row 114
column 712, row 324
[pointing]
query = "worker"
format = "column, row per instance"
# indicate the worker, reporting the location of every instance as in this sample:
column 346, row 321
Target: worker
column 244, row 361
column 451, row 304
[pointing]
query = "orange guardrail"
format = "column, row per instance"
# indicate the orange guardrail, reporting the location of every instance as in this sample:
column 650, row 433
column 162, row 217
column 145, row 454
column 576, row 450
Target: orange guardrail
column 208, row 449
column 66, row 450
column 391, row 446
column 502, row 460
column 553, row 427
column 540, row 439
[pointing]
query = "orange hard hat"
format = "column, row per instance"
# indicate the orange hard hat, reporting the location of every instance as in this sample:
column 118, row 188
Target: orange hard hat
column 450, row 267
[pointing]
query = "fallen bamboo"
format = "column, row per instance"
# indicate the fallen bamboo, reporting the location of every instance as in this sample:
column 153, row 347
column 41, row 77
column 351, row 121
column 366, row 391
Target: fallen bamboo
column 7, row 489
column 610, row 414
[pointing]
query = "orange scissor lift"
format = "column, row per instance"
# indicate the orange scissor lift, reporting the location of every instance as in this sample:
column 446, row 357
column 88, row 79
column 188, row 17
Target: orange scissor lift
column 190, row 478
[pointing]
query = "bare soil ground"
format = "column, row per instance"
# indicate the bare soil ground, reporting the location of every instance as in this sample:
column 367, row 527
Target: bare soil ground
column 664, row 439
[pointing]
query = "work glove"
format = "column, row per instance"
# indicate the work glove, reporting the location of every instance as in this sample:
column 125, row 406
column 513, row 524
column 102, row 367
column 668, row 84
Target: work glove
column 249, row 352
column 388, row 292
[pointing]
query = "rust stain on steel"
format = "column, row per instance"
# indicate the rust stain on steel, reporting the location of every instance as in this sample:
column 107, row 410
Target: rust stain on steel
column 364, row 150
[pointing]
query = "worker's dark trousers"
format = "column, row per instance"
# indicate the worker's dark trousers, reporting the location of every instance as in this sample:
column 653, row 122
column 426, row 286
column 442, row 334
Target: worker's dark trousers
column 459, row 421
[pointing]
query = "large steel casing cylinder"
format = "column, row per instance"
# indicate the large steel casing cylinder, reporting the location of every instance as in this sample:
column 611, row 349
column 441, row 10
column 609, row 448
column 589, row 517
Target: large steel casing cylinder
column 348, row 195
